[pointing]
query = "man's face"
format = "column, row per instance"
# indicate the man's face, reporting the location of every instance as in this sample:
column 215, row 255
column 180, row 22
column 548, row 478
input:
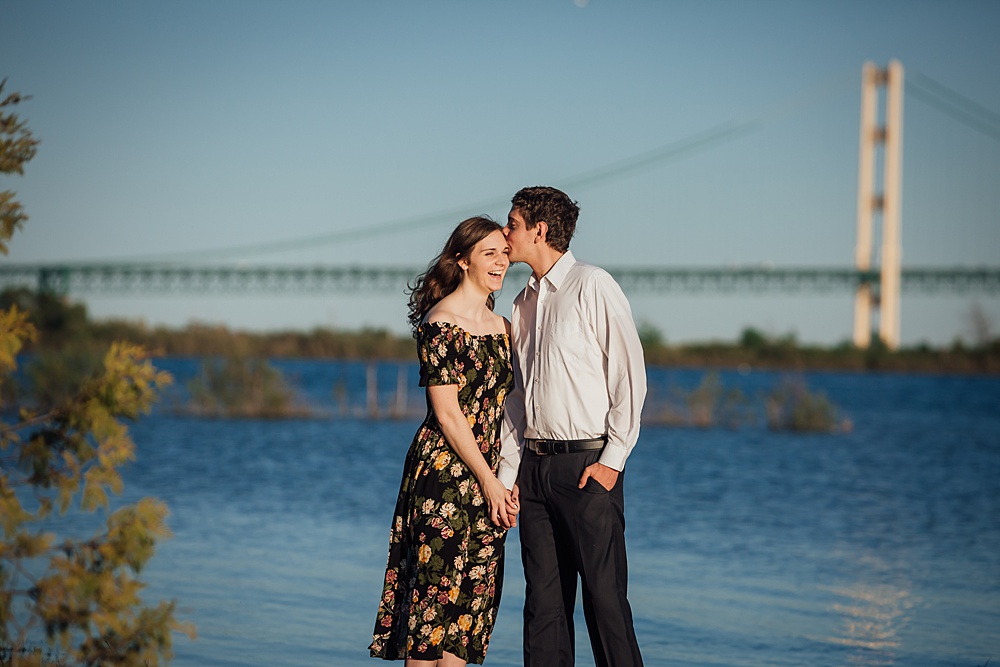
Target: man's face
column 520, row 239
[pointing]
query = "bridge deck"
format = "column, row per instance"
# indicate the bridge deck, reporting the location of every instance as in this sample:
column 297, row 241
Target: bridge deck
column 83, row 279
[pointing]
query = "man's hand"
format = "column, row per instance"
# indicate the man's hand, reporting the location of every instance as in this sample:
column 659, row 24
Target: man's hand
column 513, row 506
column 605, row 476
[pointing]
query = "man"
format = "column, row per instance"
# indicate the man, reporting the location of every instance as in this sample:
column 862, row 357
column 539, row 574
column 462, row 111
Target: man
column 570, row 424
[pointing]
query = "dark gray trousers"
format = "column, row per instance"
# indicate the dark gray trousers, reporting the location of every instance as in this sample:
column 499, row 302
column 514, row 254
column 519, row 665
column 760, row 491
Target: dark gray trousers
column 569, row 533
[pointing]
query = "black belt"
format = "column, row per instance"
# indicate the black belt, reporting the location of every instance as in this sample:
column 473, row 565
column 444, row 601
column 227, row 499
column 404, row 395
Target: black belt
column 543, row 447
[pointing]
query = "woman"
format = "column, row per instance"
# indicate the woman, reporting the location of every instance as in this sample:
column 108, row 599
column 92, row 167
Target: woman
column 445, row 569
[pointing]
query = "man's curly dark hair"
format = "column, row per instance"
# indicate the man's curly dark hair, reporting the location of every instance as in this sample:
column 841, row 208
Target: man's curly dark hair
column 554, row 207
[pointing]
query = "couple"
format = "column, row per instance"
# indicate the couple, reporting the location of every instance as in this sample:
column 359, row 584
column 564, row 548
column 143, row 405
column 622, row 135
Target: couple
column 538, row 437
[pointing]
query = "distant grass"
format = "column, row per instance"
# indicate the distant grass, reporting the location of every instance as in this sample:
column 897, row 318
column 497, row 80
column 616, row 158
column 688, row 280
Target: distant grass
column 236, row 387
column 792, row 406
column 788, row 406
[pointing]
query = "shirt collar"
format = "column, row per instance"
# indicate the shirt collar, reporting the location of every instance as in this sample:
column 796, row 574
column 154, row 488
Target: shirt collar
column 557, row 274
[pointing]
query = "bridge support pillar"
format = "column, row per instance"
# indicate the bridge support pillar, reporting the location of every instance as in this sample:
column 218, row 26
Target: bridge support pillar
column 884, row 295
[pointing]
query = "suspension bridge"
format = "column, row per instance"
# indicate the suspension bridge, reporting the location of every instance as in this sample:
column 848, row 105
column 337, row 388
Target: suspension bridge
column 876, row 281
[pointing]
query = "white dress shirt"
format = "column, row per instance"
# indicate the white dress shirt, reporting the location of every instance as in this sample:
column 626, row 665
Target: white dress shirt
column 578, row 365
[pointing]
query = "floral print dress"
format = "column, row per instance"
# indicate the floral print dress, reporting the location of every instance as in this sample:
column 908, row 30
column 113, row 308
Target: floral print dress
column 445, row 568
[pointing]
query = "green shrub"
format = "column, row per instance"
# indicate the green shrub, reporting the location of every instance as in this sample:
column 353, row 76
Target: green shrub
column 243, row 387
column 708, row 405
column 792, row 406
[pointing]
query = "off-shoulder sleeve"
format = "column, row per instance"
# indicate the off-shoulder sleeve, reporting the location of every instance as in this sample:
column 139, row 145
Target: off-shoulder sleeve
column 439, row 347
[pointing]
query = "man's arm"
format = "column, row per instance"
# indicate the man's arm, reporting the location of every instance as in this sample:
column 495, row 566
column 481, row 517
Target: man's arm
column 512, row 432
column 626, row 370
column 514, row 417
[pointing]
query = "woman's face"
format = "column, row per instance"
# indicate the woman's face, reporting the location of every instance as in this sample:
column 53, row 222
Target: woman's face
column 487, row 263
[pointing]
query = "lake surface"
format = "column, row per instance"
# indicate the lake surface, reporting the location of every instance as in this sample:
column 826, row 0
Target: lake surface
column 880, row 546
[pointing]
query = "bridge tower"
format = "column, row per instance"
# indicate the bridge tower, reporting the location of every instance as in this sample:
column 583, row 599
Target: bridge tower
column 888, row 202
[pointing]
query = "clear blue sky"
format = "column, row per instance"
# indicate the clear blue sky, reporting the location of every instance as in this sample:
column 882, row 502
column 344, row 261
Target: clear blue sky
column 170, row 128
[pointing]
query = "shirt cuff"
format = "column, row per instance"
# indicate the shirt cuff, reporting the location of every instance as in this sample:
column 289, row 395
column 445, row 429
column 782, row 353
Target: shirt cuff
column 614, row 456
column 507, row 474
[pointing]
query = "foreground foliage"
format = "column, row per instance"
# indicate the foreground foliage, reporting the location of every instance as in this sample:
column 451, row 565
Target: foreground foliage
column 66, row 600
column 80, row 594
column 17, row 147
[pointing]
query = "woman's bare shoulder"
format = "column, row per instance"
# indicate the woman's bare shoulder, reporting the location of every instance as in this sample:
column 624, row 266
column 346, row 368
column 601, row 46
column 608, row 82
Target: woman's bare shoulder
column 440, row 314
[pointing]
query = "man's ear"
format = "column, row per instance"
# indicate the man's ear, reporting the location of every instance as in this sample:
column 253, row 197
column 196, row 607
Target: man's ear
column 541, row 231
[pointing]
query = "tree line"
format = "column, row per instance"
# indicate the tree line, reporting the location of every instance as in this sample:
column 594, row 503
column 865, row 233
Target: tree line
column 66, row 330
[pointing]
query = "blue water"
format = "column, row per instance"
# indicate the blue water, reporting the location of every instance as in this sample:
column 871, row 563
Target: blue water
column 880, row 546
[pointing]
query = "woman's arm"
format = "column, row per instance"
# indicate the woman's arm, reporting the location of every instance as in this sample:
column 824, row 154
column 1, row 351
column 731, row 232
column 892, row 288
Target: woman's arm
column 458, row 433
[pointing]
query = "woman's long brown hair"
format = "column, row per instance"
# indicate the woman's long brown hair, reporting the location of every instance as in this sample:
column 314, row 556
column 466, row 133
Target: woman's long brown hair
column 444, row 274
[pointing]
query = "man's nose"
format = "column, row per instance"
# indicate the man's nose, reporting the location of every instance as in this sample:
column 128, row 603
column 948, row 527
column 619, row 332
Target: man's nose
column 505, row 231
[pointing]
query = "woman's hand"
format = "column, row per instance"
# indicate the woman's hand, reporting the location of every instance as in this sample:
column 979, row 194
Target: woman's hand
column 496, row 495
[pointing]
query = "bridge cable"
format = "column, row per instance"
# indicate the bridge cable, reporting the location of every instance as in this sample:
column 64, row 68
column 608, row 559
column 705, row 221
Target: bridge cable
column 687, row 147
column 954, row 104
